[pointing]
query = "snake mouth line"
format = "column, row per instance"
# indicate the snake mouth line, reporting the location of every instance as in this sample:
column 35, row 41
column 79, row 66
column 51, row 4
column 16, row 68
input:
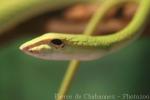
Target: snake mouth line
column 28, row 48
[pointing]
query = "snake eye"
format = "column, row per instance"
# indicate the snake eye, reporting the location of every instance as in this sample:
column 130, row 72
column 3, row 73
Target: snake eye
column 57, row 43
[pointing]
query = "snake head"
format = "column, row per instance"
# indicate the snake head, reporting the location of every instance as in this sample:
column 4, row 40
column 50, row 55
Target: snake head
column 48, row 46
column 54, row 46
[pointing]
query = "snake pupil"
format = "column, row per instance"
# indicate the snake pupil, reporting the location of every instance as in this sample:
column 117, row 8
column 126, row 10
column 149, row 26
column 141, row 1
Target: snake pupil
column 57, row 42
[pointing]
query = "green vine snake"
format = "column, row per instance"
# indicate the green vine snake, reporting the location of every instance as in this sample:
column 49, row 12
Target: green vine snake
column 58, row 46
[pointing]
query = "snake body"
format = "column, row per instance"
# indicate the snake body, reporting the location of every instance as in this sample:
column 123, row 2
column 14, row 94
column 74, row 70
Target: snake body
column 58, row 46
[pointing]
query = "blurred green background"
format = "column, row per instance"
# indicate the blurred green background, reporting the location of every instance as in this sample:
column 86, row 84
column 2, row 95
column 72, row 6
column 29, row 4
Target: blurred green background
column 25, row 78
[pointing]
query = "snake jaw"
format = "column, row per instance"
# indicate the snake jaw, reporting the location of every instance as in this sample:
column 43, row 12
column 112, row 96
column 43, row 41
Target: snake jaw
column 35, row 49
column 28, row 50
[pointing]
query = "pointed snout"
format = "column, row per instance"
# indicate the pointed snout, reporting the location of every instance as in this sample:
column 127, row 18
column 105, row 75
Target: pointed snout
column 22, row 48
column 26, row 46
column 27, row 49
